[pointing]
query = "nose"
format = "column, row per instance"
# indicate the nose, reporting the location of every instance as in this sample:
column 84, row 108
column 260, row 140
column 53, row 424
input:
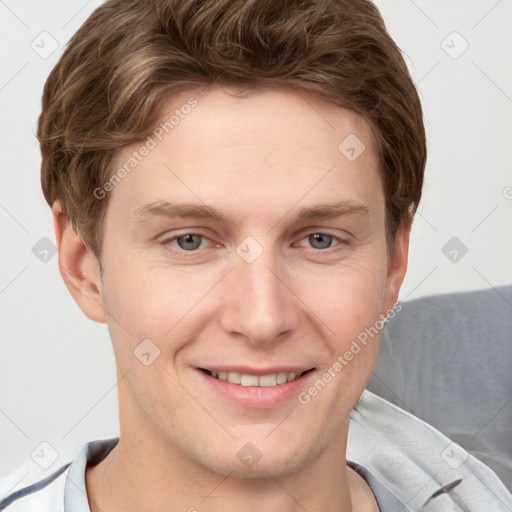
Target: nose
column 259, row 305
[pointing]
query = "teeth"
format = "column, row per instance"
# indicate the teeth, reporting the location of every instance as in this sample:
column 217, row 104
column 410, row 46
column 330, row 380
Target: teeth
column 233, row 377
column 244, row 379
column 268, row 380
column 249, row 380
column 282, row 377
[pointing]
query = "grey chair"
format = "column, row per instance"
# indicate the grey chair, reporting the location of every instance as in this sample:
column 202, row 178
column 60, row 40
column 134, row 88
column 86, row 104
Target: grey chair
column 448, row 360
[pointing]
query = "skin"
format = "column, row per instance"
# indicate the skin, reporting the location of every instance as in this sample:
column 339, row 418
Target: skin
column 260, row 158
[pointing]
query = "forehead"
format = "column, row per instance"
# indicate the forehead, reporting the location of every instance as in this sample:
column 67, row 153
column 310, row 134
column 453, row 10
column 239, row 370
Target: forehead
column 263, row 149
column 281, row 118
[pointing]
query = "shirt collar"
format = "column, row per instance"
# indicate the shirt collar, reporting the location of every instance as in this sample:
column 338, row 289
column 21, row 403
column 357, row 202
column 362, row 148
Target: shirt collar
column 75, row 492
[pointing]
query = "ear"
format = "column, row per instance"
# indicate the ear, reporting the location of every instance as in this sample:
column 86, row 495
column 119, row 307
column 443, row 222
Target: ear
column 397, row 266
column 78, row 266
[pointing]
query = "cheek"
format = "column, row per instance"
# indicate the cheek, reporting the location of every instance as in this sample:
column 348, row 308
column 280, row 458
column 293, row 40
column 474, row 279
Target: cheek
column 347, row 298
column 349, row 309
column 348, row 303
column 153, row 303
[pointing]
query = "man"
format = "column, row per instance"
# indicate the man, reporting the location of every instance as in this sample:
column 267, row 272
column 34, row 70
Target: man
column 233, row 185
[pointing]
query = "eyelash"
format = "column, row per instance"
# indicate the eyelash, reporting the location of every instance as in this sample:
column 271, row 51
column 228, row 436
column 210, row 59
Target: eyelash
column 341, row 242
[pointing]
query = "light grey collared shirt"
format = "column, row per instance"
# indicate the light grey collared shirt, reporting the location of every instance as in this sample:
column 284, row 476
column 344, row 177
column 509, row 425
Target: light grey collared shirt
column 65, row 490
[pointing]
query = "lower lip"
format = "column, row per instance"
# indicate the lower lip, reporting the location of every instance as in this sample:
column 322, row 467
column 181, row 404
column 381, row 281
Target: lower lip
column 263, row 397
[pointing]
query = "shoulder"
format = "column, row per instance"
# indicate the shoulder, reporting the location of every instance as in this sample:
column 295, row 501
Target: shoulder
column 45, row 495
column 419, row 464
column 63, row 488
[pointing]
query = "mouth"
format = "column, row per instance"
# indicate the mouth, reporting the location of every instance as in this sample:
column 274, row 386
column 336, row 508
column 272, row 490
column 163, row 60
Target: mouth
column 251, row 380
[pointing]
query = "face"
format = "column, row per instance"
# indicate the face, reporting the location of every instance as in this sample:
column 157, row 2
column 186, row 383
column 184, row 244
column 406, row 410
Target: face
column 246, row 245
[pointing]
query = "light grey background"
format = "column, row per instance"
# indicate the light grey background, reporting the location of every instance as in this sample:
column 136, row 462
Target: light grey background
column 57, row 371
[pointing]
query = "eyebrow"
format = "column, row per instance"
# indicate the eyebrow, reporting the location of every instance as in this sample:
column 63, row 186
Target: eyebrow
column 195, row 211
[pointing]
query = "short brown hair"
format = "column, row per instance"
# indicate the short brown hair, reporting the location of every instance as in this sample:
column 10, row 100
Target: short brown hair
column 130, row 55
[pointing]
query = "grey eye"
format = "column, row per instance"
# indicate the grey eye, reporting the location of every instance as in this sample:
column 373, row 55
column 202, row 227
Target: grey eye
column 190, row 241
column 320, row 240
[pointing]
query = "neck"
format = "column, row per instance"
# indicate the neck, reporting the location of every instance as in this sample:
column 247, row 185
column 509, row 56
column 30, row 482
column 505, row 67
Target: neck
column 140, row 475
column 147, row 471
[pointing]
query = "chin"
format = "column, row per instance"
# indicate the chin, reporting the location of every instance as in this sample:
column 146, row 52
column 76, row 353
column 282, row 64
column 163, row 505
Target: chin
column 275, row 468
column 248, row 461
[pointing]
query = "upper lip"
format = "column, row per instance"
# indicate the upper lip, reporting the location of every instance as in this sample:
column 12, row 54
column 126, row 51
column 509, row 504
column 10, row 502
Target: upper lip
column 257, row 371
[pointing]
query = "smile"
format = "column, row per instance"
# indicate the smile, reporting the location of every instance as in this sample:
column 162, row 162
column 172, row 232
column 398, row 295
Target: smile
column 245, row 379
